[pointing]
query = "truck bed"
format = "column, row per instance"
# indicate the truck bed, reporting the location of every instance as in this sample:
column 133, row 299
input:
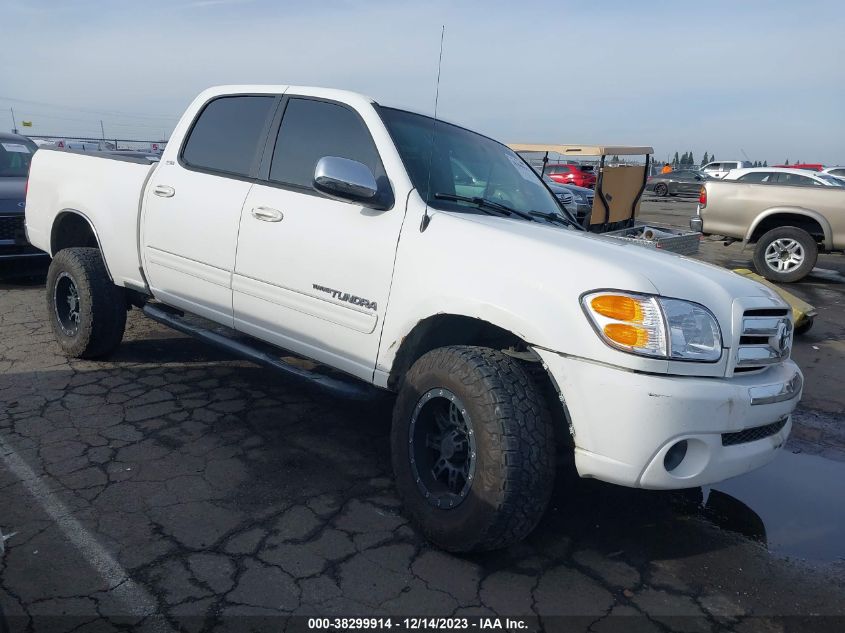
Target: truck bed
column 733, row 208
column 104, row 188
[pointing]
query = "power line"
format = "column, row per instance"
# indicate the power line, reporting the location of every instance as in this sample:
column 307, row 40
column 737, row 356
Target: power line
column 90, row 110
column 34, row 114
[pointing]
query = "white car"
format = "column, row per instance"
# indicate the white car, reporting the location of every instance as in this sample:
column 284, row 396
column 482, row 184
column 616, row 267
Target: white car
column 505, row 330
column 836, row 172
column 784, row 176
column 721, row 168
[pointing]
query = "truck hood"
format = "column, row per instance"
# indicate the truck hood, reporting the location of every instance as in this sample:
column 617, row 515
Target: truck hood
column 582, row 262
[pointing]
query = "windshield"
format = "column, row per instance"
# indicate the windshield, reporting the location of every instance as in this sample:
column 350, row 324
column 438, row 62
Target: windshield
column 464, row 163
column 831, row 180
column 15, row 156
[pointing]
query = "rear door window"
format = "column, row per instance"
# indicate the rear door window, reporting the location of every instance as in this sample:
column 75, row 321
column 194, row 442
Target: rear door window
column 312, row 129
column 794, row 179
column 757, row 176
column 228, row 135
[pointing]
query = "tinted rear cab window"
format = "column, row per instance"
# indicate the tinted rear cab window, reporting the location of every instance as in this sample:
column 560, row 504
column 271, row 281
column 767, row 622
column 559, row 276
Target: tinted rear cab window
column 228, row 134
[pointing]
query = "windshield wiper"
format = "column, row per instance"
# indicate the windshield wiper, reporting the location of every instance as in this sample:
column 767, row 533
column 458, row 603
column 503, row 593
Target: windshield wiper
column 484, row 203
column 551, row 217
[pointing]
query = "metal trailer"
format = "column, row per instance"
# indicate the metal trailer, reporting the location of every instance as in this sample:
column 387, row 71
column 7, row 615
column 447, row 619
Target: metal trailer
column 619, row 190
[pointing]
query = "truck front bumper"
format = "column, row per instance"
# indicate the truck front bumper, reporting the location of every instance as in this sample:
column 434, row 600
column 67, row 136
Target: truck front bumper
column 627, row 426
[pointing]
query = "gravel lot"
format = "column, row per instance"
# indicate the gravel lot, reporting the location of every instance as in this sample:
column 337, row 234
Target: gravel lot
column 172, row 487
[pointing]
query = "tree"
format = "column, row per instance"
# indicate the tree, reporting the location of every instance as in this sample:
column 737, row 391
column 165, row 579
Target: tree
column 690, row 160
column 713, row 158
column 765, row 163
column 786, row 162
column 704, row 159
column 675, row 161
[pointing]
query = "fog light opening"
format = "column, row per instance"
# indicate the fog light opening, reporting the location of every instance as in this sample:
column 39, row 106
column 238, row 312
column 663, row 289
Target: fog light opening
column 675, row 455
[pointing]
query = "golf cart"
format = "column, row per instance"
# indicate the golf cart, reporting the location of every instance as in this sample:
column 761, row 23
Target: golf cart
column 618, row 191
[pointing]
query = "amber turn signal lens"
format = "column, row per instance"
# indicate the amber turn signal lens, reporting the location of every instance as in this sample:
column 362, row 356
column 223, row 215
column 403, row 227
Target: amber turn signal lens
column 618, row 307
column 628, row 335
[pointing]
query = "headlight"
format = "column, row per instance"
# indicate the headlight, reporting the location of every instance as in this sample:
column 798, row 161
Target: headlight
column 654, row 326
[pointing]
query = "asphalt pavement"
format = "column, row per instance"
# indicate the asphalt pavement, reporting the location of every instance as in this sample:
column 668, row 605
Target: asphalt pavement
column 174, row 488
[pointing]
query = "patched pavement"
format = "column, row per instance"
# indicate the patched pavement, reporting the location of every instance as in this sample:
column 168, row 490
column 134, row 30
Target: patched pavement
column 172, row 487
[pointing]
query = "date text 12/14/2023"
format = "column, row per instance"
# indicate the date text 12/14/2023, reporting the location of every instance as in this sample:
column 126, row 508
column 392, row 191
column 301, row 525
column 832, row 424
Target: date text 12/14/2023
column 418, row 623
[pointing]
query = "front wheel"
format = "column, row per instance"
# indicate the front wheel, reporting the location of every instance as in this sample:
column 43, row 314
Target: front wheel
column 661, row 190
column 785, row 254
column 473, row 449
column 87, row 311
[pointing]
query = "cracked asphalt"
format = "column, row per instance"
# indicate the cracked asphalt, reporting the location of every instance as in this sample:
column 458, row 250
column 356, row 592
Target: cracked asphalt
column 174, row 488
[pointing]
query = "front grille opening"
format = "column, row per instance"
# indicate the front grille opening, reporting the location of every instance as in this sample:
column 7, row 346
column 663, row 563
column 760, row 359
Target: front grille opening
column 745, row 370
column 753, row 434
column 753, row 340
column 11, row 227
column 773, row 312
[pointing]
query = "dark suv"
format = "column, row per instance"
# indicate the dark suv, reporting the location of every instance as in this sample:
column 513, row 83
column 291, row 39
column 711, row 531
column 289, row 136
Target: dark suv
column 15, row 156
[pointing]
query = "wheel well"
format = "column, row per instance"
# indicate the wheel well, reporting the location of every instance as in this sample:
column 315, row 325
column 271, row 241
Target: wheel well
column 788, row 219
column 451, row 329
column 71, row 230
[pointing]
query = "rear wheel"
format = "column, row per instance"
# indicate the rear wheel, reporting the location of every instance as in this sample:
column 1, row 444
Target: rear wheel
column 785, row 254
column 473, row 449
column 661, row 190
column 87, row 311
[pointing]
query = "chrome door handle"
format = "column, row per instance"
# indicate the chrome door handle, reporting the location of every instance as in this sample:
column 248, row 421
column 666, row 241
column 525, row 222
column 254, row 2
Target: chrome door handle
column 267, row 214
column 164, row 191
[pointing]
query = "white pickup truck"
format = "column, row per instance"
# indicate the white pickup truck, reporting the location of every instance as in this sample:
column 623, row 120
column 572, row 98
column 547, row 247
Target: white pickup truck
column 285, row 221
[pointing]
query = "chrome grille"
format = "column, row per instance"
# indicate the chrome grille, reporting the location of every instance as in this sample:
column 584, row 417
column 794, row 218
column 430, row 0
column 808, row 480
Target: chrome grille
column 765, row 339
column 565, row 198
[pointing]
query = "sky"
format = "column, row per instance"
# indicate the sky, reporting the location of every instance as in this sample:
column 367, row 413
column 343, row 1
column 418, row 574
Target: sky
column 758, row 79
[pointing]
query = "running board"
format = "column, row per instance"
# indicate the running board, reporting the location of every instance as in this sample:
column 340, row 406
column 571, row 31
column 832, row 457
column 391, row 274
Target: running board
column 258, row 353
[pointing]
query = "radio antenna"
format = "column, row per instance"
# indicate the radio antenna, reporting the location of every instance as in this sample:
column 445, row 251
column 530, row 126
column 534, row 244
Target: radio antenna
column 427, row 218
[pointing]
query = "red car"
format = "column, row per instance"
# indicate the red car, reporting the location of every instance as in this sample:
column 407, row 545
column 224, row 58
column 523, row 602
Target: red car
column 569, row 174
column 809, row 166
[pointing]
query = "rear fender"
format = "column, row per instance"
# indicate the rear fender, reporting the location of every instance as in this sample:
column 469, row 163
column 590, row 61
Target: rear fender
column 814, row 215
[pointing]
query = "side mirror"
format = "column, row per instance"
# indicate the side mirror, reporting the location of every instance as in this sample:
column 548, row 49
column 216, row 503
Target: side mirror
column 347, row 180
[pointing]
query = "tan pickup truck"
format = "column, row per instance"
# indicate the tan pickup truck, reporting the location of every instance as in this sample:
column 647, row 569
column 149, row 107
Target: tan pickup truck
column 790, row 224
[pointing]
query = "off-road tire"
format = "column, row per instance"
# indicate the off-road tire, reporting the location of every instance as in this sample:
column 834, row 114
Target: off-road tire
column 101, row 304
column 808, row 244
column 661, row 190
column 515, row 449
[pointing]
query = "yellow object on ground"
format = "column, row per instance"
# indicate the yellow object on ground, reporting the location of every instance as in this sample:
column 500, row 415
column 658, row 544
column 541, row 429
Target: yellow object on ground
column 802, row 312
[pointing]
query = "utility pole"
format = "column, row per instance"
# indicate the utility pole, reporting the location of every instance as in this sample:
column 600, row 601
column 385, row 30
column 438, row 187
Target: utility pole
column 14, row 123
column 103, row 133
